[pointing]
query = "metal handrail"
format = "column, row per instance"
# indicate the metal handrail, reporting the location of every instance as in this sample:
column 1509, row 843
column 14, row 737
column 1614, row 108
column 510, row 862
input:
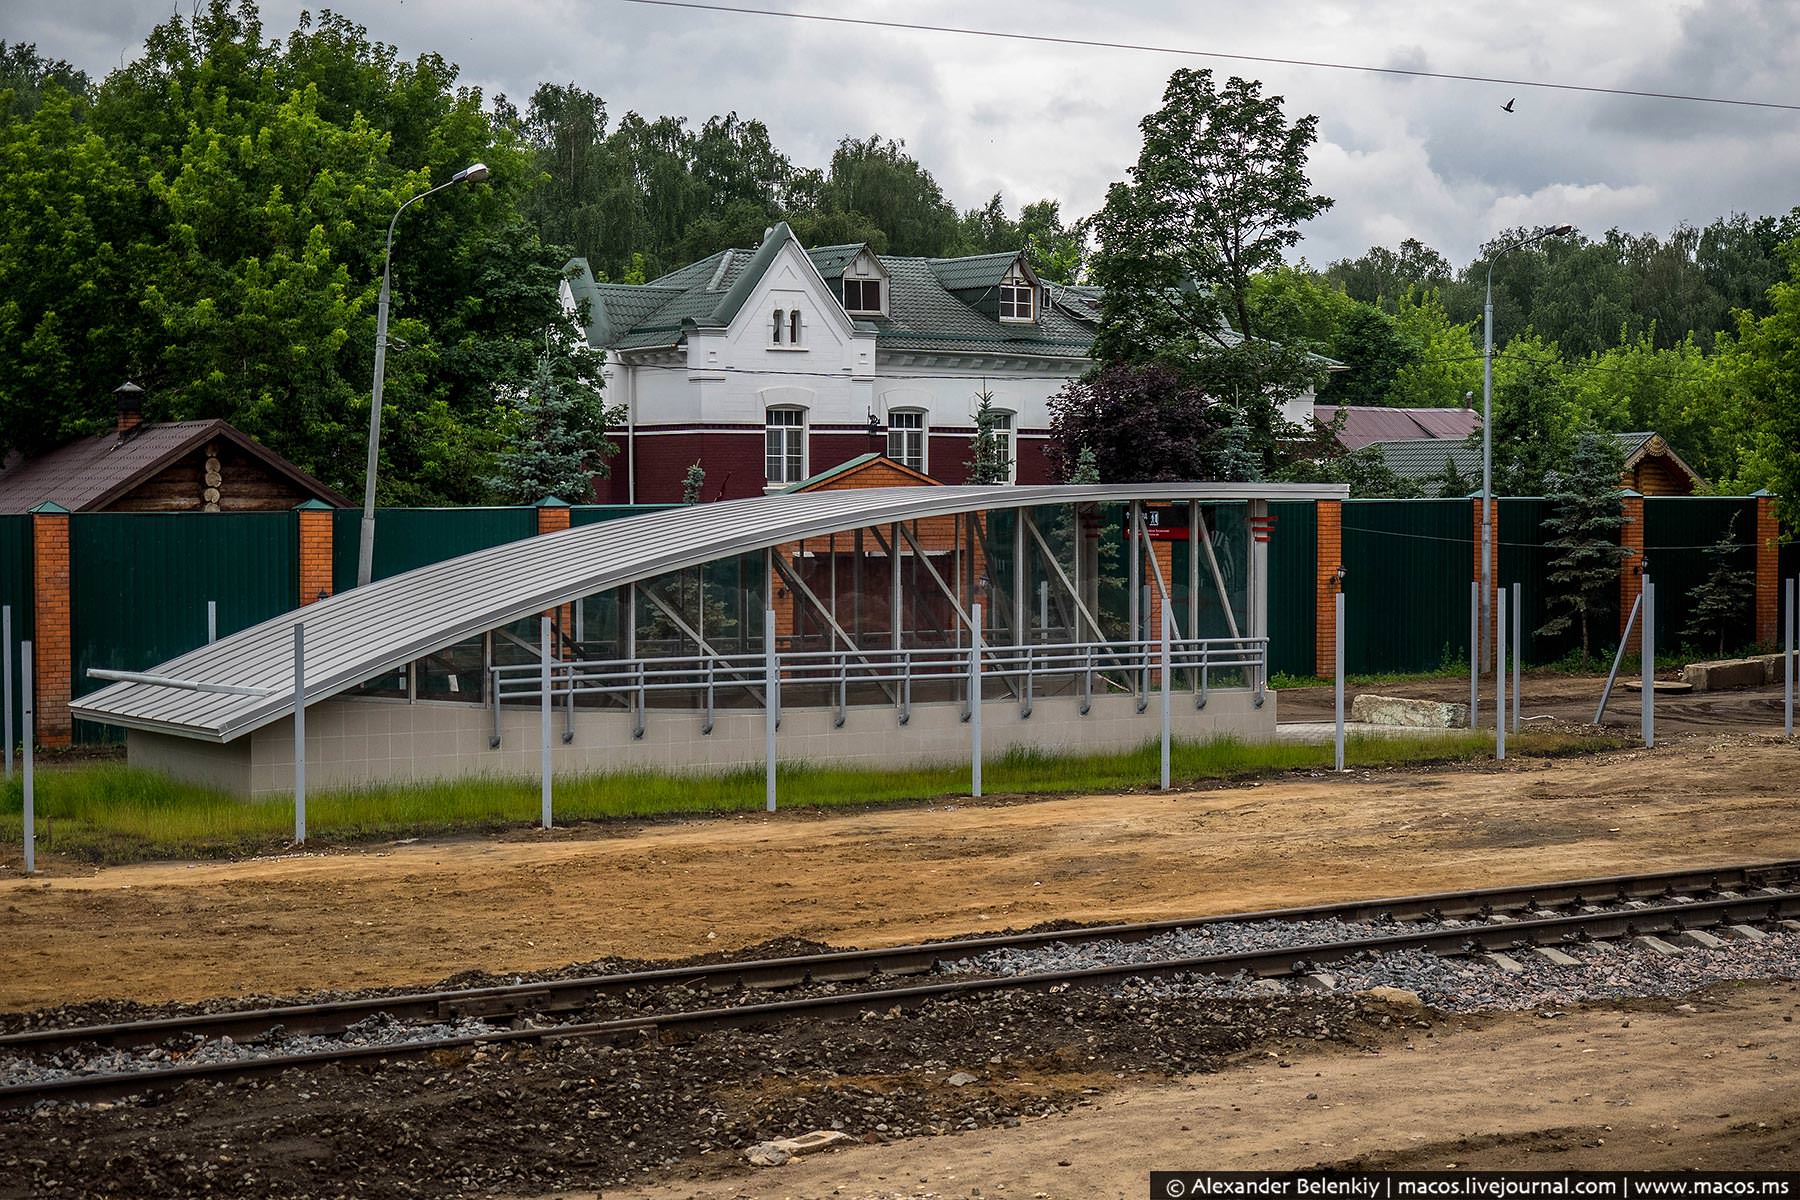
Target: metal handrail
column 634, row 678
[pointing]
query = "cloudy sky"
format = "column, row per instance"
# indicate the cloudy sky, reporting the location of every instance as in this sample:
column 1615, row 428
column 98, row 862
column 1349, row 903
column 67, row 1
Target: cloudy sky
column 1433, row 159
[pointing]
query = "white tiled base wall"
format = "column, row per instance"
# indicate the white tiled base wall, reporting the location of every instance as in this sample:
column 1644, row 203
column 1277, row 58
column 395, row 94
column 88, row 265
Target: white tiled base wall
column 361, row 742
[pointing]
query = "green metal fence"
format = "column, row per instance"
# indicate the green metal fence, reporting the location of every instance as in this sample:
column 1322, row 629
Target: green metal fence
column 1679, row 532
column 15, row 589
column 409, row 538
column 1525, row 559
column 593, row 514
column 139, row 584
column 1293, row 600
column 1406, row 587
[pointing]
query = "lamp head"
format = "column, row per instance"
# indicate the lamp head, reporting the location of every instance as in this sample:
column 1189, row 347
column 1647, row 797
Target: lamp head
column 1559, row 231
column 473, row 173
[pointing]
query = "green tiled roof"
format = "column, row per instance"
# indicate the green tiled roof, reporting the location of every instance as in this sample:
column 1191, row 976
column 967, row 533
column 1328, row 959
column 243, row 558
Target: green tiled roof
column 1422, row 458
column 924, row 311
column 978, row 271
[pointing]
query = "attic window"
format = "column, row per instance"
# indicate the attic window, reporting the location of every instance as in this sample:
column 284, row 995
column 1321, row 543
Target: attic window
column 1017, row 302
column 862, row 296
column 777, row 328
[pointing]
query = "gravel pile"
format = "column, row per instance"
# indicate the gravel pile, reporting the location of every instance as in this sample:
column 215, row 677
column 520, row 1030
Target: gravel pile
column 1606, row 971
column 379, row 1030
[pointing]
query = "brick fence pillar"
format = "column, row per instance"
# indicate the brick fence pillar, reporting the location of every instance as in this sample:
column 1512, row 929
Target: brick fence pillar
column 553, row 516
column 1631, row 581
column 1329, row 557
column 52, row 634
column 1768, row 572
column 1494, row 566
column 316, row 556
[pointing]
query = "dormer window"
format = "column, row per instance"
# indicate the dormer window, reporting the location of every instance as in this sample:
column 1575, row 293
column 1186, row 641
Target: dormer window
column 1018, row 302
column 862, row 297
column 865, row 289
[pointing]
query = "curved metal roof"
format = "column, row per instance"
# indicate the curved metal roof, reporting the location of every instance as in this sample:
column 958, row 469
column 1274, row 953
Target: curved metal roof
column 356, row 635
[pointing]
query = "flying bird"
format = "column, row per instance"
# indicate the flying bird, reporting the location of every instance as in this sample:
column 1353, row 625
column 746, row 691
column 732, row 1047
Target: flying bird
column 1507, row 107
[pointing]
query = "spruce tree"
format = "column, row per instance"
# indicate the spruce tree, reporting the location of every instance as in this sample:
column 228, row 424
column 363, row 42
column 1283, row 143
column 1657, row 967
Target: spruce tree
column 1722, row 598
column 1585, row 517
column 692, row 483
column 558, row 444
column 991, row 464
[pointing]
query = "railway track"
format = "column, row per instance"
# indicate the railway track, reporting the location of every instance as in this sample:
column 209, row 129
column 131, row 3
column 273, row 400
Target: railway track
column 1481, row 920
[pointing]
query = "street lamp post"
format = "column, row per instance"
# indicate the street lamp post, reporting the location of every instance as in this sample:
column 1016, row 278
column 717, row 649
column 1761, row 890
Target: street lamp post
column 1484, row 654
column 365, row 550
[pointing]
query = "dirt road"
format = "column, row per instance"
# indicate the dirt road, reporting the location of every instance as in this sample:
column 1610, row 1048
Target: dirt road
column 1644, row 1086
column 407, row 915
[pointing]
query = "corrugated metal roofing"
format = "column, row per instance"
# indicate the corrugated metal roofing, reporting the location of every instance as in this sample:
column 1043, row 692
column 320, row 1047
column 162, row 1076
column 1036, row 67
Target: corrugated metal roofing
column 1363, row 425
column 357, row 635
column 1422, row 458
column 94, row 471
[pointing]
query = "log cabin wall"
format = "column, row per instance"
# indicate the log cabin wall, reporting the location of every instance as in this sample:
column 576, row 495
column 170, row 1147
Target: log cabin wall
column 218, row 477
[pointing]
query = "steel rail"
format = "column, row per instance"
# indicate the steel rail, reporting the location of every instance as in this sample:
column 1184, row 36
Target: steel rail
column 1268, row 962
column 839, row 966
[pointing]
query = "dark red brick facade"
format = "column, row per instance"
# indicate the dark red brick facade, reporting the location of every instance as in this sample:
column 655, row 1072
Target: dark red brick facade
column 733, row 460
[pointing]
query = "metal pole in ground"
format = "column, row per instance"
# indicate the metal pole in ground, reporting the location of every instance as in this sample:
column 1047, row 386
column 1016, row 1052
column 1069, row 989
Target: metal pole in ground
column 6, row 680
column 1500, row 673
column 1790, row 619
column 975, row 699
column 545, row 704
column 771, row 707
column 1337, row 651
column 212, row 621
column 1518, row 624
column 1167, row 619
column 299, row 734
column 1474, row 654
column 29, row 712
column 1647, row 664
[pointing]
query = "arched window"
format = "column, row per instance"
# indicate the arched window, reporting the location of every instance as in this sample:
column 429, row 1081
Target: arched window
column 775, row 330
column 794, row 328
column 784, row 445
column 906, row 437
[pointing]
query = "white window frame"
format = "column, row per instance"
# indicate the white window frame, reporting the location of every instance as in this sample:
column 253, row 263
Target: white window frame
column 793, row 435
column 1011, row 429
column 920, row 432
column 1006, row 300
column 796, row 329
column 778, row 327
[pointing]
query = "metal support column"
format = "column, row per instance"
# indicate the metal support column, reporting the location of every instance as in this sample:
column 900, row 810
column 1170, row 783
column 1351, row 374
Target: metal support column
column 1021, row 585
column 28, row 716
column 1475, row 655
column 1337, row 687
column 1647, row 663
column 771, row 707
column 975, row 700
column 212, row 621
column 1259, row 587
column 1790, row 621
column 299, row 734
column 6, row 684
column 1518, row 603
column 1168, row 619
column 1133, row 581
column 545, row 703
column 1500, row 673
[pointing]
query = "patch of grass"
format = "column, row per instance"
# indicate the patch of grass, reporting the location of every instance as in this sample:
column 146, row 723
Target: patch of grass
column 110, row 813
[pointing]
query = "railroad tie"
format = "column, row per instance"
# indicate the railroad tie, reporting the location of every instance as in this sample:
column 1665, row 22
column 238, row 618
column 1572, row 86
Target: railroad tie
column 1555, row 957
column 1746, row 933
column 1700, row 939
column 1657, row 946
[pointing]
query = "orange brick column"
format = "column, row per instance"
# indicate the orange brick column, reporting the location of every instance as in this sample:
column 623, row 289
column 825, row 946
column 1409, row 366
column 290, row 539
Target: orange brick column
column 1475, row 555
column 1768, row 572
column 1631, row 582
column 52, row 641
column 1328, row 558
column 552, row 517
column 315, row 551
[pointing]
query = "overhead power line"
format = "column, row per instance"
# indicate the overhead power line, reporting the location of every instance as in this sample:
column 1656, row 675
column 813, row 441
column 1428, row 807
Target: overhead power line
column 1095, row 43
